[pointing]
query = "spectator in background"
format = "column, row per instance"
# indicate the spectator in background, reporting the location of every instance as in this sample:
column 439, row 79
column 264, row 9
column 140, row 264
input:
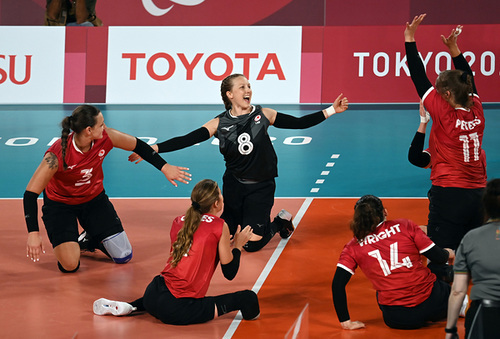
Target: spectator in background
column 71, row 13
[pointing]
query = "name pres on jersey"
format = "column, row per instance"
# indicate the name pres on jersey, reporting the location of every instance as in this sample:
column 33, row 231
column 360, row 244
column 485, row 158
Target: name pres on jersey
column 467, row 125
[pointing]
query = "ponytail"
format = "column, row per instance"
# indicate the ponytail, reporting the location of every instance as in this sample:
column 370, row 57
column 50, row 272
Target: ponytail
column 204, row 195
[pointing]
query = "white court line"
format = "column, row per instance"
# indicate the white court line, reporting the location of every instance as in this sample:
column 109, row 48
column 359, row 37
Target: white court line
column 269, row 266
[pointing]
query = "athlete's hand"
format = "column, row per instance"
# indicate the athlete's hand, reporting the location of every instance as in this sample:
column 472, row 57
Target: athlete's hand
column 451, row 258
column 241, row 237
column 451, row 41
column 34, row 246
column 412, row 28
column 176, row 173
column 134, row 157
column 341, row 103
column 352, row 325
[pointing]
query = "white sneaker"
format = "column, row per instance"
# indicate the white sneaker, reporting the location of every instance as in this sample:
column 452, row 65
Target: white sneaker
column 464, row 307
column 104, row 306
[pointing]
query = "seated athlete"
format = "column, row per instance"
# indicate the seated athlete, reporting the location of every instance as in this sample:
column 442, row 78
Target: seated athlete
column 200, row 239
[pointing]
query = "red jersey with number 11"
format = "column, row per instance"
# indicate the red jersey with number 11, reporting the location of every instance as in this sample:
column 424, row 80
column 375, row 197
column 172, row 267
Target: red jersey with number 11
column 457, row 158
column 390, row 259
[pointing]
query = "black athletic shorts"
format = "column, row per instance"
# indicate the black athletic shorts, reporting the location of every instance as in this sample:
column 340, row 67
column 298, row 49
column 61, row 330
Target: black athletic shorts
column 98, row 217
column 434, row 308
column 452, row 213
column 160, row 303
column 247, row 204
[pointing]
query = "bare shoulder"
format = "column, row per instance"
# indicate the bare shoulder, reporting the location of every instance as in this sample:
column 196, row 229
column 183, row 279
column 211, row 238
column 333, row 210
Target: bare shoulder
column 212, row 126
column 51, row 160
column 270, row 114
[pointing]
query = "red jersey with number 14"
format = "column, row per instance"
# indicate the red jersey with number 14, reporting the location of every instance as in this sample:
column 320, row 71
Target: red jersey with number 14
column 191, row 277
column 457, row 158
column 390, row 259
column 82, row 181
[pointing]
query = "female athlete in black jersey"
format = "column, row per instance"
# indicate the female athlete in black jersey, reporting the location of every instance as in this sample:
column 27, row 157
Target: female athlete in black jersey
column 251, row 162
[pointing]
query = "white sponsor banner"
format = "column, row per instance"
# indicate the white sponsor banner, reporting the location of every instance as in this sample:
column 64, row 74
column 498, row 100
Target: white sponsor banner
column 185, row 65
column 31, row 64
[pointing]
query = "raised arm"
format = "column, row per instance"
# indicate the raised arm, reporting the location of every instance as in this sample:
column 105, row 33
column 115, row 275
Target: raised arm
column 458, row 58
column 415, row 64
column 130, row 143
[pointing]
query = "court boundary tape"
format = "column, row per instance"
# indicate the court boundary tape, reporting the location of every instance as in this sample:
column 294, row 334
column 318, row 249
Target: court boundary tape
column 269, row 266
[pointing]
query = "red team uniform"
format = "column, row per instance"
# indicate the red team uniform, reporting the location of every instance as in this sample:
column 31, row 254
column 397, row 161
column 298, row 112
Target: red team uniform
column 82, row 181
column 457, row 159
column 390, row 259
column 191, row 277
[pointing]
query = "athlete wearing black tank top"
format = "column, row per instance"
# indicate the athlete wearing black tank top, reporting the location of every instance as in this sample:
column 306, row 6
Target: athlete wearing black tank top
column 251, row 162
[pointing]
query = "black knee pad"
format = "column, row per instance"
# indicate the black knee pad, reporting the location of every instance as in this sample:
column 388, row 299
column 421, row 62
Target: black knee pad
column 249, row 304
column 245, row 301
column 62, row 269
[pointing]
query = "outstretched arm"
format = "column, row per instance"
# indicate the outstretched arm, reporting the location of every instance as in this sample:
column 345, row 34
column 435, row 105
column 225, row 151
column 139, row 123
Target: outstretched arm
column 199, row 135
column 130, row 143
column 281, row 120
column 339, row 283
column 415, row 64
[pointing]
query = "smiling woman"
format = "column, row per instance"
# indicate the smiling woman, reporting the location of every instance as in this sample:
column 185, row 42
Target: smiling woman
column 251, row 162
column 71, row 177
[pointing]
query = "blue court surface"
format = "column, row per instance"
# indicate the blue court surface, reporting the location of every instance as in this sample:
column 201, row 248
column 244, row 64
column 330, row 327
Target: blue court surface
column 361, row 151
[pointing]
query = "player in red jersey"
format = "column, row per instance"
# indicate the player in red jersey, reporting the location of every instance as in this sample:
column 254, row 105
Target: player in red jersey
column 71, row 177
column 457, row 160
column 388, row 252
column 200, row 239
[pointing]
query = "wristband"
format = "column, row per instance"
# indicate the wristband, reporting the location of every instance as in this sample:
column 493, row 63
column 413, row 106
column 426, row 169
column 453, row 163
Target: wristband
column 451, row 330
column 31, row 210
column 149, row 154
column 426, row 118
column 330, row 111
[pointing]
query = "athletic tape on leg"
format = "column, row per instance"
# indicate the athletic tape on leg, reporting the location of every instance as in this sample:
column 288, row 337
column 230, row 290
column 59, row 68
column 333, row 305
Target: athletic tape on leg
column 118, row 247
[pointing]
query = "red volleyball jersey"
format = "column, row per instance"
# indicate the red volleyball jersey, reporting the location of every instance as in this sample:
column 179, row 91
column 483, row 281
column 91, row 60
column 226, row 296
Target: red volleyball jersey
column 82, row 181
column 455, row 143
column 191, row 277
column 390, row 259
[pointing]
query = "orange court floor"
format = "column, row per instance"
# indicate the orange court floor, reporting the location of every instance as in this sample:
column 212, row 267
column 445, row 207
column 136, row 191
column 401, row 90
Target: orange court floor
column 38, row 301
